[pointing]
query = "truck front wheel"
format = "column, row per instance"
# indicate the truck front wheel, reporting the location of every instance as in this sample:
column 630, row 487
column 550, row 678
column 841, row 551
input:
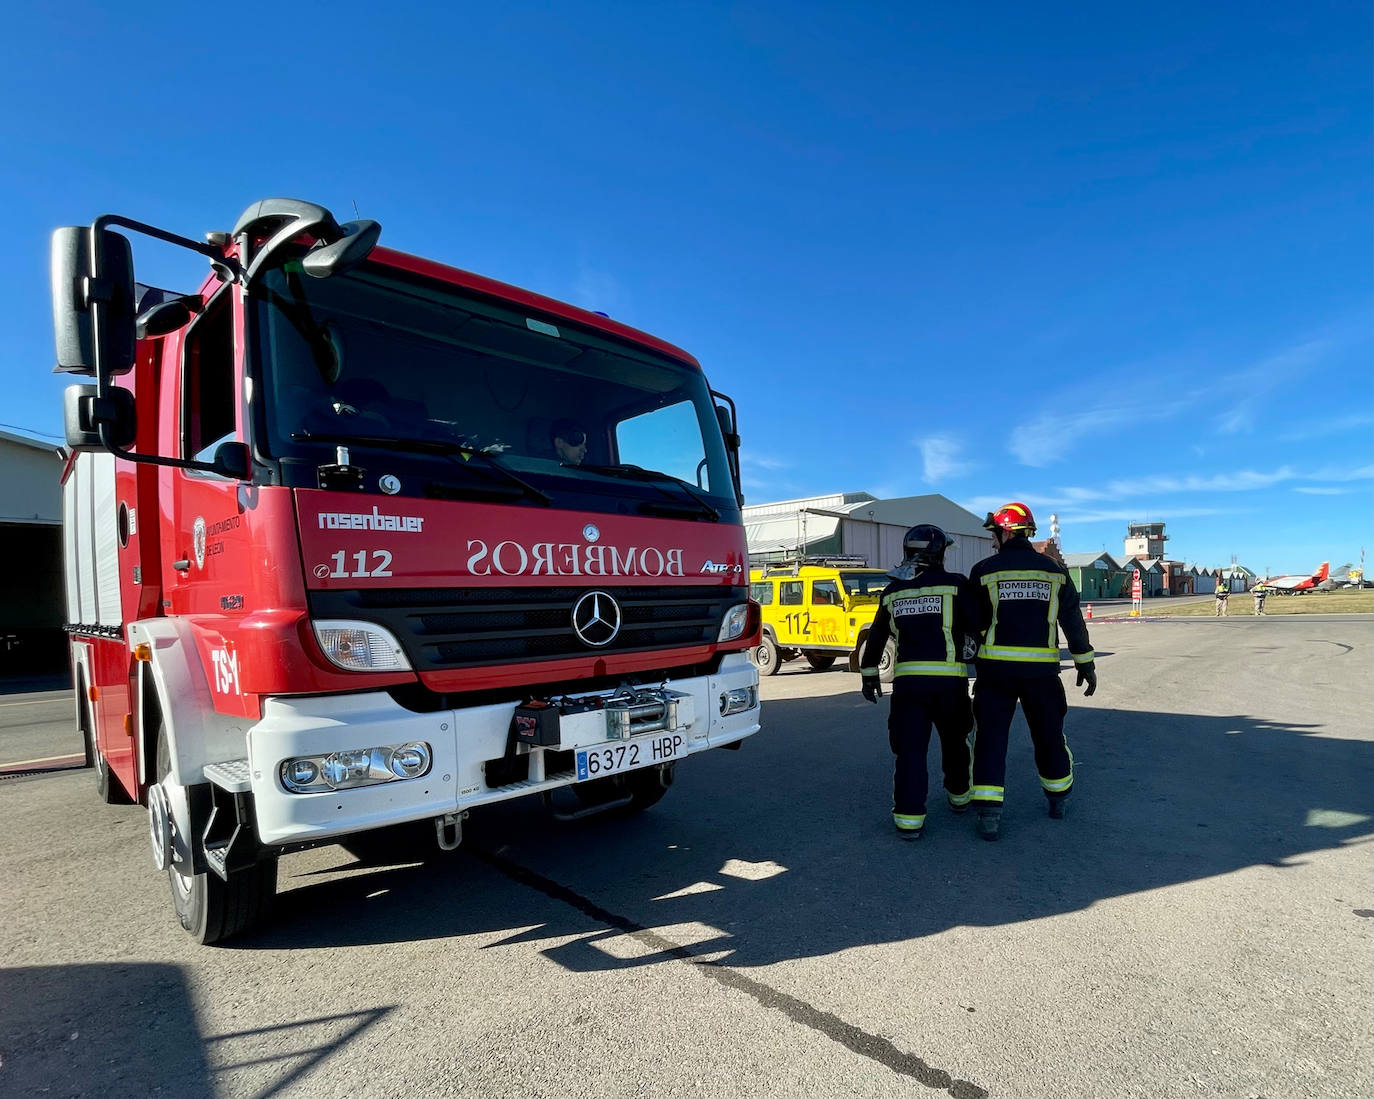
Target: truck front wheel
column 209, row 907
column 765, row 655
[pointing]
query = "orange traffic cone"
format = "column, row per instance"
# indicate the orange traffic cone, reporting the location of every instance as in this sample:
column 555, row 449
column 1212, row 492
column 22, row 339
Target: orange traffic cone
column 1088, row 614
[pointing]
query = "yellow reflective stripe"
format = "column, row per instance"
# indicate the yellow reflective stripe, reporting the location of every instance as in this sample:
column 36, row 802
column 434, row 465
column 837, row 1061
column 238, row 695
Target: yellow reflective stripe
column 959, row 799
column 908, row 822
column 931, row 667
column 987, row 793
column 1084, row 658
column 1056, row 785
column 1026, row 654
column 1022, row 574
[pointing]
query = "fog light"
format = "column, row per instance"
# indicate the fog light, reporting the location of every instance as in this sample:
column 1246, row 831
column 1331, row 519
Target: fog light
column 410, row 761
column 353, row 767
column 738, row 700
column 301, row 772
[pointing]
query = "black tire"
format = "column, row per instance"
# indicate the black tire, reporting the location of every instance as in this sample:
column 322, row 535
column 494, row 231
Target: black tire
column 108, row 788
column 210, row 908
column 887, row 663
column 820, row 662
column 765, row 656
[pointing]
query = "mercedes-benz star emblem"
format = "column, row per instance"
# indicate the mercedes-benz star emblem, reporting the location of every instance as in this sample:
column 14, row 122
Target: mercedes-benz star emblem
column 596, row 619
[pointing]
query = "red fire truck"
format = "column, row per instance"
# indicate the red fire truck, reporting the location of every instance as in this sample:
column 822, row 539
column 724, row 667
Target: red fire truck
column 355, row 539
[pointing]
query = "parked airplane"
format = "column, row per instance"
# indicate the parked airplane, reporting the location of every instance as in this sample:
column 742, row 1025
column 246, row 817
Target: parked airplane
column 1297, row 584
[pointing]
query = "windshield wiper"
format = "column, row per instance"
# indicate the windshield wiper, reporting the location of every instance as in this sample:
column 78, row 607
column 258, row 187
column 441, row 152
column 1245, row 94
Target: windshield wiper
column 654, row 477
column 457, row 452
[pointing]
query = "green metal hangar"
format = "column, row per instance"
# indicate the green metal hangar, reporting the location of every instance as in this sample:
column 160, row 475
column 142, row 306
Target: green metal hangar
column 857, row 524
column 32, row 603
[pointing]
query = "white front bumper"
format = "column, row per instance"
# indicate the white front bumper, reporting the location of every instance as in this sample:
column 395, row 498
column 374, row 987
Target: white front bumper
column 461, row 740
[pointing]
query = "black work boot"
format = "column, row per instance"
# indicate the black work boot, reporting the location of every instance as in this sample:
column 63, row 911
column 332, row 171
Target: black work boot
column 990, row 822
column 1057, row 805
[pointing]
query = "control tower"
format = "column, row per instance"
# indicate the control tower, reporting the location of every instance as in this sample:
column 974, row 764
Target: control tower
column 1145, row 540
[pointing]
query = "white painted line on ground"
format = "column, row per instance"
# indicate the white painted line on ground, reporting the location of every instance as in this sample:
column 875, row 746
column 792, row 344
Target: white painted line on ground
column 45, row 759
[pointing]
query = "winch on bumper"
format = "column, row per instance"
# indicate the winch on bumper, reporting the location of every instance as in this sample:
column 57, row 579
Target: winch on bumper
column 328, row 766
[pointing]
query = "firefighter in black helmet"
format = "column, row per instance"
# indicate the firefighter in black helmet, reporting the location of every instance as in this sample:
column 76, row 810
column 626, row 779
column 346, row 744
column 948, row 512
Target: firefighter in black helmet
column 1023, row 599
column 931, row 612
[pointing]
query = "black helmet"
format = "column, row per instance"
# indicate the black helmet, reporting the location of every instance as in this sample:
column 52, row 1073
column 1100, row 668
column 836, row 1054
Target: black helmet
column 925, row 544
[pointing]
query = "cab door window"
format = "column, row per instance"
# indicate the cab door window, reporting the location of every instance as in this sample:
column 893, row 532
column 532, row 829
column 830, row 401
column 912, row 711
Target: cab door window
column 208, row 402
column 761, row 591
column 825, row 593
column 790, row 592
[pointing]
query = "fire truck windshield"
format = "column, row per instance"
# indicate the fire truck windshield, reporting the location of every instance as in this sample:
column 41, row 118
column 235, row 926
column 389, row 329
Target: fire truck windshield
column 383, row 359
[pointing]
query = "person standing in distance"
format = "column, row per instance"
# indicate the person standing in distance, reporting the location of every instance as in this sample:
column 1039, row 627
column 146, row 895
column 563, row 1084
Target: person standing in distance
column 930, row 611
column 1023, row 599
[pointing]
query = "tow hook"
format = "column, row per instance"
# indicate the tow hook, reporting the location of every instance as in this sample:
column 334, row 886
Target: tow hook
column 448, row 830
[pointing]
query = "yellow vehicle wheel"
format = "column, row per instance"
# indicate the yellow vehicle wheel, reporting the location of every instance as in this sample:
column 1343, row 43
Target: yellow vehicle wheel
column 887, row 663
column 765, row 656
column 820, row 662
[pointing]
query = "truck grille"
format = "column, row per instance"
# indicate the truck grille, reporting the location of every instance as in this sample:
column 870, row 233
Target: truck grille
column 444, row 628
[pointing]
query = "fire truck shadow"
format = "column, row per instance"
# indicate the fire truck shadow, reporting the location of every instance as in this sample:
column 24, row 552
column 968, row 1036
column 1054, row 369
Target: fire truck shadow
column 130, row 1029
column 785, row 849
column 92, row 1029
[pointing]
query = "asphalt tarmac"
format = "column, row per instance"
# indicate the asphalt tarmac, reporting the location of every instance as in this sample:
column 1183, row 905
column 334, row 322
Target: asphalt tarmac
column 1199, row 925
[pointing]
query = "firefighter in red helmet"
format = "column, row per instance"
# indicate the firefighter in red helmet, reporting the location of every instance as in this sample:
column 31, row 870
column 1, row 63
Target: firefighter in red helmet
column 1023, row 600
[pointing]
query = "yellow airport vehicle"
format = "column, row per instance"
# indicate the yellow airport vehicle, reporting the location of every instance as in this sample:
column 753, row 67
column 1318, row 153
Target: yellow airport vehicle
column 818, row 608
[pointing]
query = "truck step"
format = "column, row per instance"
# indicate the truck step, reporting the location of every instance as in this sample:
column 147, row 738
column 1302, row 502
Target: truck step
column 232, row 775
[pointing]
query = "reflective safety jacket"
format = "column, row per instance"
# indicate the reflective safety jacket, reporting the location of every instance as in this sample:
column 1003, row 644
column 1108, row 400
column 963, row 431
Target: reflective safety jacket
column 1021, row 597
column 931, row 614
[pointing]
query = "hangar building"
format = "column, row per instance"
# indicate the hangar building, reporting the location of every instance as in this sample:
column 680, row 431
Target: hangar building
column 32, row 602
column 859, row 524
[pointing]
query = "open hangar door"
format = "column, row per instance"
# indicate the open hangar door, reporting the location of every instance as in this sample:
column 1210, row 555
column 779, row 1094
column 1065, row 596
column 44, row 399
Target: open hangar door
column 32, row 603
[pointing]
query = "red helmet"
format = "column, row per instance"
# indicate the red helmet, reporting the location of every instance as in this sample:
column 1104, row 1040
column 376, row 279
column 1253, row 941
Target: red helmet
column 1011, row 518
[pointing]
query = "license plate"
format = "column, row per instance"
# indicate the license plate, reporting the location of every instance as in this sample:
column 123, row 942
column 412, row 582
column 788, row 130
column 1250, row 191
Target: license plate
column 627, row 755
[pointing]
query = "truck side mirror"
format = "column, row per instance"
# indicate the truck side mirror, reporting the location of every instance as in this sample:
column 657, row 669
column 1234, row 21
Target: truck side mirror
column 84, row 410
column 727, row 427
column 77, row 285
column 233, row 460
column 344, row 254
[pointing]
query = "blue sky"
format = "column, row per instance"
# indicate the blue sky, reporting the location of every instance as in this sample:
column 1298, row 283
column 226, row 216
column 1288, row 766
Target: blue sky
column 1110, row 260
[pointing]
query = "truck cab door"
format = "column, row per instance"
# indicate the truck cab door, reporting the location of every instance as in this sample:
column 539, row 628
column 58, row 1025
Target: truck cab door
column 206, row 568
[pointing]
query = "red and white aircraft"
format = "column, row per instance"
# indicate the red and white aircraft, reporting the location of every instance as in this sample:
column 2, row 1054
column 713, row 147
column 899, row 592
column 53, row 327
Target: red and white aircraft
column 1290, row 585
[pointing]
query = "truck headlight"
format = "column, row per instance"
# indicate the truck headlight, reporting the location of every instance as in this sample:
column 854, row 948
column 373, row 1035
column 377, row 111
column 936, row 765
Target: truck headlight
column 353, row 767
column 360, row 646
column 734, row 622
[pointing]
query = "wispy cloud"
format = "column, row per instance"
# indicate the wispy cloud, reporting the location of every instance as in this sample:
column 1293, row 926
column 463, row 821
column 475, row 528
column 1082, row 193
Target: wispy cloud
column 1321, row 429
column 600, row 291
column 1324, row 490
column 941, row 457
column 1051, row 435
column 1132, row 496
column 763, row 473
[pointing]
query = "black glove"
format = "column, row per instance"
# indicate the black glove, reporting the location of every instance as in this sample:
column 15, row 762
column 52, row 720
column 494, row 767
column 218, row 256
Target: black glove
column 1087, row 674
column 873, row 688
